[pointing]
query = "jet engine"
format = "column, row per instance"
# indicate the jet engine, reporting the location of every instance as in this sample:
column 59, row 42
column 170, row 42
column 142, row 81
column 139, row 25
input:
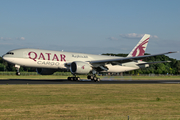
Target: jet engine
column 79, row 67
column 143, row 65
column 45, row 71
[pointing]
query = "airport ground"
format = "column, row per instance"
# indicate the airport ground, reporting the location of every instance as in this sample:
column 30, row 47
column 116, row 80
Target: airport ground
column 140, row 77
column 89, row 101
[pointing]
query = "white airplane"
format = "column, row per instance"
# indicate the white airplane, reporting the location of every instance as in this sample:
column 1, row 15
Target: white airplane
column 47, row 61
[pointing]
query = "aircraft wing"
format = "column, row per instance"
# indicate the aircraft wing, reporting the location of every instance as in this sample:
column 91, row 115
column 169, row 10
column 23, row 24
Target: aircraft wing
column 124, row 60
column 153, row 62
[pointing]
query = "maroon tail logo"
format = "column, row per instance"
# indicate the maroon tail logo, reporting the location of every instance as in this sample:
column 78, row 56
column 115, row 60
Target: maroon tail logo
column 141, row 49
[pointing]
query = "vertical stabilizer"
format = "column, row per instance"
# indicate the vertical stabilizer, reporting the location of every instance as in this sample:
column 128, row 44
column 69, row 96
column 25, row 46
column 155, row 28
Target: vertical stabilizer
column 140, row 48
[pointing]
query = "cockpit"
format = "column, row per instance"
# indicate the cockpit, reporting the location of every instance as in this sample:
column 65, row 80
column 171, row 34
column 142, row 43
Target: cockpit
column 10, row 53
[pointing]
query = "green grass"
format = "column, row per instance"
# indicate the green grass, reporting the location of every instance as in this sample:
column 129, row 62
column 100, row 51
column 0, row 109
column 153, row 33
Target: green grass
column 89, row 102
column 162, row 77
column 42, row 77
column 64, row 75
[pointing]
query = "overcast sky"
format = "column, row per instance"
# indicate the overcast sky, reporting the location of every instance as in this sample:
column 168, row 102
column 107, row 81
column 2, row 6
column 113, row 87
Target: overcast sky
column 90, row 26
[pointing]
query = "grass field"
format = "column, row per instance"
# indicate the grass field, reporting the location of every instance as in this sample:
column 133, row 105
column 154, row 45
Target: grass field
column 43, row 77
column 90, row 102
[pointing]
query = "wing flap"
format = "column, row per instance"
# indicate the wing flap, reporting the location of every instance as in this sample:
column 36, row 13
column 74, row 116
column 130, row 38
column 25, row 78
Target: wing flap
column 154, row 62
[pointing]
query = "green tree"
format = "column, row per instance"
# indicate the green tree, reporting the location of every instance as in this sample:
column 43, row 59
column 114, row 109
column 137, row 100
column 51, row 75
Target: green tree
column 2, row 67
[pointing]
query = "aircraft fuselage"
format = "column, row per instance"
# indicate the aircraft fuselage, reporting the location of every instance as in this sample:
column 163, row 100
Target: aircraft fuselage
column 39, row 58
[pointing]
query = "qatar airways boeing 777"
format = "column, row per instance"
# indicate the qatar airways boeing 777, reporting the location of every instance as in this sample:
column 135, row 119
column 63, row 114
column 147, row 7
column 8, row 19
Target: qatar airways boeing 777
column 47, row 61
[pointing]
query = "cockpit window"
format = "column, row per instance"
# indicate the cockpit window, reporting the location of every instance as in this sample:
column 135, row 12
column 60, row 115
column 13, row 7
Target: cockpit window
column 11, row 53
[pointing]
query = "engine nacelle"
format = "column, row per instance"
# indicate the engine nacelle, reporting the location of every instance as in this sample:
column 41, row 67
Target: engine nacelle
column 79, row 67
column 144, row 65
column 45, row 71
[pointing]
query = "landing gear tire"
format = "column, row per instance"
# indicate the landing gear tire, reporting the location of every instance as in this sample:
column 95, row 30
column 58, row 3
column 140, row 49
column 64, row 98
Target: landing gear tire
column 74, row 78
column 98, row 80
column 18, row 73
column 70, row 78
column 89, row 77
column 78, row 78
column 93, row 78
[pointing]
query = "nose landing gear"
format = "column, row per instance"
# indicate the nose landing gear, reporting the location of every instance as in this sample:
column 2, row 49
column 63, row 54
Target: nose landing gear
column 17, row 69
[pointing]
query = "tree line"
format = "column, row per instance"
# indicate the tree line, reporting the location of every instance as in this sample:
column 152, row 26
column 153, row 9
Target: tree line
column 172, row 67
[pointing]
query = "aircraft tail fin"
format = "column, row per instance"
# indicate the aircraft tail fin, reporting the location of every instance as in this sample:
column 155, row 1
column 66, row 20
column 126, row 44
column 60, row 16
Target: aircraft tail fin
column 140, row 48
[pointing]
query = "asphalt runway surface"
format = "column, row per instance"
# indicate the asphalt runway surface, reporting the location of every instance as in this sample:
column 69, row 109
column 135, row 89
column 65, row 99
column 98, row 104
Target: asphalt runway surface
column 64, row 81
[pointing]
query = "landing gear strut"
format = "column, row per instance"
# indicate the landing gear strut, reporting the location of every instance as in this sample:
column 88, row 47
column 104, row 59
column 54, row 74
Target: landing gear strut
column 17, row 69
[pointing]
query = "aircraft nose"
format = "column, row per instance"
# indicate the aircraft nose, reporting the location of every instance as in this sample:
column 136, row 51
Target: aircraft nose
column 8, row 59
column 4, row 57
column 8, row 56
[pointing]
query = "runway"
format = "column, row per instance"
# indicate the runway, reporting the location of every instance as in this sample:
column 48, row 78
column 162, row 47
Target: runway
column 64, row 81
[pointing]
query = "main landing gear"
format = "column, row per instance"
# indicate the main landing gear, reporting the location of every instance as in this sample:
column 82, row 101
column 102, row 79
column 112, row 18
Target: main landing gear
column 17, row 69
column 74, row 78
column 93, row 78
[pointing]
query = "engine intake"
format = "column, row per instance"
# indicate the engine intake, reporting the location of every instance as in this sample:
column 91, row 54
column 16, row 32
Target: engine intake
column 79, row 67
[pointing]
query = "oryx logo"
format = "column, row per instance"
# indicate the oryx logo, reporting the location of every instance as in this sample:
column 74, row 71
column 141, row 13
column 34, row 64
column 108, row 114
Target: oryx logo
column 139, row 51
column 83, row 67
